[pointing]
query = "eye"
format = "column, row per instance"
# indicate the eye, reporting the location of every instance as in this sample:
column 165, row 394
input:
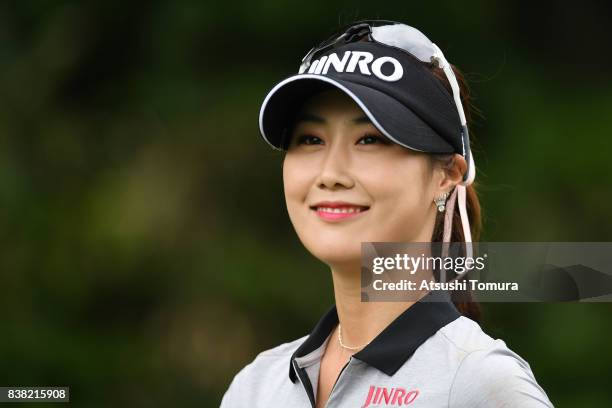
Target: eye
column 371, row 139
column 307, row 140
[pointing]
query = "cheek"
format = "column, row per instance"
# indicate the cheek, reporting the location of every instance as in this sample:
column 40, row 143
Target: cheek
column 403, row 182
column 298, row 178
column 400, row 194
column 296, row 182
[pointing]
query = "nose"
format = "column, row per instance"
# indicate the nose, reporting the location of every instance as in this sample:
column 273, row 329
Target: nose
column 335, row 169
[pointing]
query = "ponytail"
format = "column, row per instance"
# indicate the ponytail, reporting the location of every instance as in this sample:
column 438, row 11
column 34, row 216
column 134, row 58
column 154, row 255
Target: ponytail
column 463, row 299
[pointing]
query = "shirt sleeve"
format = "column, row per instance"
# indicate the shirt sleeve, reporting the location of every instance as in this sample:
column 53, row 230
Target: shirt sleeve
column 496, row 377
column 229, row 399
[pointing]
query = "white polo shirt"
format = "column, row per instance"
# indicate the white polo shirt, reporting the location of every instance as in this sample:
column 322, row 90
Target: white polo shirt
column 429, row 356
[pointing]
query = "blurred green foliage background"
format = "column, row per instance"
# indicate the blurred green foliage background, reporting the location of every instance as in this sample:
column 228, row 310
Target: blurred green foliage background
column 145, row 250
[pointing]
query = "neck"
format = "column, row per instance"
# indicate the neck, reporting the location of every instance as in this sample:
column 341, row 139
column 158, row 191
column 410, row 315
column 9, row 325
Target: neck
column 363, row 321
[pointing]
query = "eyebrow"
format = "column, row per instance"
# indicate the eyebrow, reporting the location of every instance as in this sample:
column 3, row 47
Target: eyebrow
column 309, row 117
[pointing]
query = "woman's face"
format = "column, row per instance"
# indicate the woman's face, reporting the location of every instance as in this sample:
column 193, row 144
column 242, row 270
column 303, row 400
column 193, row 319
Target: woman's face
column 384, row 192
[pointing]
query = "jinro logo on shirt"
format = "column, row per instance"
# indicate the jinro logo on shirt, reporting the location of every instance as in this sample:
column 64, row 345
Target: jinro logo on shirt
column 393, row 396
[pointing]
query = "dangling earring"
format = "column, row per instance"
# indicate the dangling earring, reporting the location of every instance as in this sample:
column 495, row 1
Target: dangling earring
column 441, row 202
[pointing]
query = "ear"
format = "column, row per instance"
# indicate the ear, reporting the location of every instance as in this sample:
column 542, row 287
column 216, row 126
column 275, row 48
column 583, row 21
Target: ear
column 450, row 173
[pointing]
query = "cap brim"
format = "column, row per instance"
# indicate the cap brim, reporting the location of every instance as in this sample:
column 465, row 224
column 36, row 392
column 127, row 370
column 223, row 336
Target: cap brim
column 394, row 120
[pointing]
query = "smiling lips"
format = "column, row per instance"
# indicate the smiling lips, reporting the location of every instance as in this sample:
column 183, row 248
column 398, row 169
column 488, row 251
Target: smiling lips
column 338, row 210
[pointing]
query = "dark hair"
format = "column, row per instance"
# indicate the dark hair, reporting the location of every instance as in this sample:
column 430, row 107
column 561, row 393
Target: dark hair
column 463, row 300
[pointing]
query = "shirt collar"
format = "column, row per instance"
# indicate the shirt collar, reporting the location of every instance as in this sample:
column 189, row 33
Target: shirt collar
column 398, row 341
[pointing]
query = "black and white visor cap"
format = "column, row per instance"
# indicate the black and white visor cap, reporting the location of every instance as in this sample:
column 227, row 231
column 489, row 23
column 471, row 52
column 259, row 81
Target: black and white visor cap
column 399, row 94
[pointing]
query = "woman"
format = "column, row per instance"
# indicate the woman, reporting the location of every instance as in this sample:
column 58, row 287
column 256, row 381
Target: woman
column 377, row 149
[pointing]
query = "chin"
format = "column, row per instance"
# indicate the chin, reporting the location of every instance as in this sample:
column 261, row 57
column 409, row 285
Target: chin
column 335, row 252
